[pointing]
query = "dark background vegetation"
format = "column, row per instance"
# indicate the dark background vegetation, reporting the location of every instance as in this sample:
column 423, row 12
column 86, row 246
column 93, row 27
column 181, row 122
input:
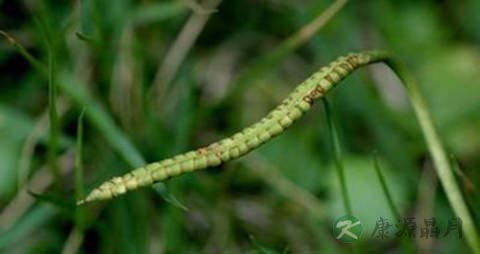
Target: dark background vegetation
column 283, row 197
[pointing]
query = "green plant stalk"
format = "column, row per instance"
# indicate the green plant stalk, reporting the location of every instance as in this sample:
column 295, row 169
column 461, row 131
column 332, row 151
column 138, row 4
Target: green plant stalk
column 337, row 156
column 36, row 218
column 79, row 190
column 378, row 170
column 291, row 109
column 53, row 120
column 407, row 244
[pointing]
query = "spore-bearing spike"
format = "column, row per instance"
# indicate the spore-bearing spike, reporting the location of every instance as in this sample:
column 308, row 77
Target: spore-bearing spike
column 292, row 108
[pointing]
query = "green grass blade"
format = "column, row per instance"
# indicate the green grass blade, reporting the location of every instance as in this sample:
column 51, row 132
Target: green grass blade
column 57, row 200
column 100, row 119
column 49, row 40
column 30, row 222
column 272, row 58
column 179, row 50
column 96, row 114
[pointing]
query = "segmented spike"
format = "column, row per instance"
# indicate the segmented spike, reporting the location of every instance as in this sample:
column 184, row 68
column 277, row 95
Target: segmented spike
column 292, row 108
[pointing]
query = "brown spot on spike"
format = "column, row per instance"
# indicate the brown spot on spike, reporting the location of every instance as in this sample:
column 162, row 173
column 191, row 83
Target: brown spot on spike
column 308, row 99
column 202, row 151
column 329, row 79
column 353, row 60
column 317, row 92
column 320, row 89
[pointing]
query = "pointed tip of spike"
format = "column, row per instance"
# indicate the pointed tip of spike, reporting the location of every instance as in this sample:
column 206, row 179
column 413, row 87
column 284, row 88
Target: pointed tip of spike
column 85, row 200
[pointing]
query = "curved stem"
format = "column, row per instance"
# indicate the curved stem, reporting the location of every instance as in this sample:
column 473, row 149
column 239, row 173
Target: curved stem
column 435, row 147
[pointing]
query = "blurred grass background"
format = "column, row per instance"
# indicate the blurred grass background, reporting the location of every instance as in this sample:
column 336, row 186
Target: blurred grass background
column 155, row 78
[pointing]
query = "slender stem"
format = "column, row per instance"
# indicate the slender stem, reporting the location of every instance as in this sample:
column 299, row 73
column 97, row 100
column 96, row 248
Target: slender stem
column 440, row 159
column 53, row 118
column 79, row 190
column 337, row 155
column 35, row 63
column 383, row 183
column 76, row 236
